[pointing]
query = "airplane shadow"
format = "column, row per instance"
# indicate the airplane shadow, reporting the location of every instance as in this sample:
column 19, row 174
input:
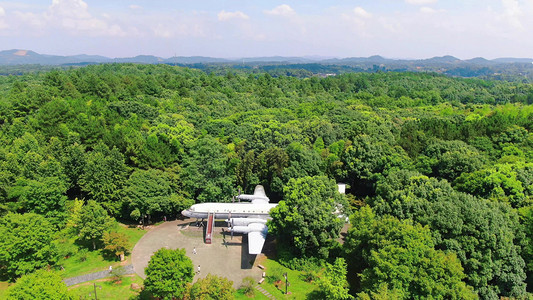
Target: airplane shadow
column 247, row 259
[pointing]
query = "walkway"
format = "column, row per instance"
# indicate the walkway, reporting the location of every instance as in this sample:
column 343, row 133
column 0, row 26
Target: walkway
column 230, row 259
column 267, row 294
column 96, row 275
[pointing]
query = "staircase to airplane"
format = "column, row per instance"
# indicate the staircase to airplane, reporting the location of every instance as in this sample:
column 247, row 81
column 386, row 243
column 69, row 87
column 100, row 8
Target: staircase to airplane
column 209, row 229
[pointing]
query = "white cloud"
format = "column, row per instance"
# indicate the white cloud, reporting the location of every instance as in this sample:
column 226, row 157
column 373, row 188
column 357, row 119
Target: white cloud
column 362, row 13
column 228, row 15
column 74, row 9
column 512, row 13
column 135, row 7
column 74, row 16
column 3, row 24
column 427, row 10
column 282, row 10
column 420, row 2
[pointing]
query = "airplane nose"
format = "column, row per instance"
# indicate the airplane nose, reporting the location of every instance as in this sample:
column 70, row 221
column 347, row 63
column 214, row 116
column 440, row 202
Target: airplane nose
column 186, row 213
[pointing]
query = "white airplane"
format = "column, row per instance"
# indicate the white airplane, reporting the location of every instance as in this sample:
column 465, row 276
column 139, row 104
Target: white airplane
column 243, row 217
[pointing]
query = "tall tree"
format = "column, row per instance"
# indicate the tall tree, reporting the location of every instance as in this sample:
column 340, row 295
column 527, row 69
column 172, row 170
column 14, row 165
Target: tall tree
column 41, row 284
column 104, row 177
column 212, row 287
column 94, row 222
column 168, row 274
column 154, row 192
column 484, row 234
column 305, row 220
column 333, row 283
column 401, row 255
column 25, row 244
column 205, row 176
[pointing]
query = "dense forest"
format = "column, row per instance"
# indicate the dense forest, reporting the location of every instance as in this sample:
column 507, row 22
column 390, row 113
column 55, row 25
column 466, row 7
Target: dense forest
column 439, row 170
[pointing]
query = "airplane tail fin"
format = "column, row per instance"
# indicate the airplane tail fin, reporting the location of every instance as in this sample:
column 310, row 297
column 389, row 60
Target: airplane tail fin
column 259, row 191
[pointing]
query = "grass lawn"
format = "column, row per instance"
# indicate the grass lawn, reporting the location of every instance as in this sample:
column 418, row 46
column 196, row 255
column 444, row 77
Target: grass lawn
column 106, row 289
column 298, row 288
column 241, row 296
column 83, row 262
column 3, row 289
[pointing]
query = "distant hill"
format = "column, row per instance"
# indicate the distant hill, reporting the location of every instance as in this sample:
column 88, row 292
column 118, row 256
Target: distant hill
column 513, row 60
column 450, row 65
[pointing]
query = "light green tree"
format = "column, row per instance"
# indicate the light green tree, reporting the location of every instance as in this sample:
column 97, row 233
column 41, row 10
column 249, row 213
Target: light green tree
column 168, row 274
column 25, row 244
column 333, row 283
column 41, row 284
column 94, row 222
column 212, row 287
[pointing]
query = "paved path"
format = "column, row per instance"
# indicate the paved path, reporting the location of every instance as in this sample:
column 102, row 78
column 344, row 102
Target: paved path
column 93, row 276
column 229, row 260
column 267, row 294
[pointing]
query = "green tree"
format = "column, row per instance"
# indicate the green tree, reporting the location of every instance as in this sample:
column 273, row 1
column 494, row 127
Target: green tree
column 94, row 222
column 502, row 182
column 485, row 235
column 526, row 214
column 401, row 255
column 116, row 243
column 154, row 192
column 368, row 159
column 104, row 177
column 168, row 273
column 450, row 159
column 204, row 174
column 45, row 196
column 305, row 220
column 212, row 287
column 333, row 283
column 41, row 284
column 26, row 244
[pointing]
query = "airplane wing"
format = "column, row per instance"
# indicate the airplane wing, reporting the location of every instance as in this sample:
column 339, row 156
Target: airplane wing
column 256, row 240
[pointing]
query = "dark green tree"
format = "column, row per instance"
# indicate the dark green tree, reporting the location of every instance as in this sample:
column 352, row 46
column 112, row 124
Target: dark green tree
column 104, row 177
column 485, row 235
column 401, row 255
column 93, row 223
column 154, row 192
column 450, row 159
column 305, row 220
column 204, row 174
column 45, row 196
column 168, row 274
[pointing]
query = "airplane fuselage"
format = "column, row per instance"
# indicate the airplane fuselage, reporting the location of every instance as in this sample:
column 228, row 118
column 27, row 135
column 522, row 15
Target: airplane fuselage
column 229, row 210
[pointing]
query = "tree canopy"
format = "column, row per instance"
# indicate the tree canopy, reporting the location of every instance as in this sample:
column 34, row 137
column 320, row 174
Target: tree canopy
column 305, row 220
column 26, row 244
column 131, row 140
column 168, row 273
column 41, row 284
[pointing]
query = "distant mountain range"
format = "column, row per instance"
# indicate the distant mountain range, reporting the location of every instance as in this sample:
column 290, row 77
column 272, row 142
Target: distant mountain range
column 23, row 57
column 14, row 61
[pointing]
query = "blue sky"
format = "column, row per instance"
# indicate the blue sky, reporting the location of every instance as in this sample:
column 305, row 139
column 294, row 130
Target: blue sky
column 245, row 28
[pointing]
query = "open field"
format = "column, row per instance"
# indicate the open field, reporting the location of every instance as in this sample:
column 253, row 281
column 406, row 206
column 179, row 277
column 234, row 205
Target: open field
column 83, row 262
column 107, row 289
